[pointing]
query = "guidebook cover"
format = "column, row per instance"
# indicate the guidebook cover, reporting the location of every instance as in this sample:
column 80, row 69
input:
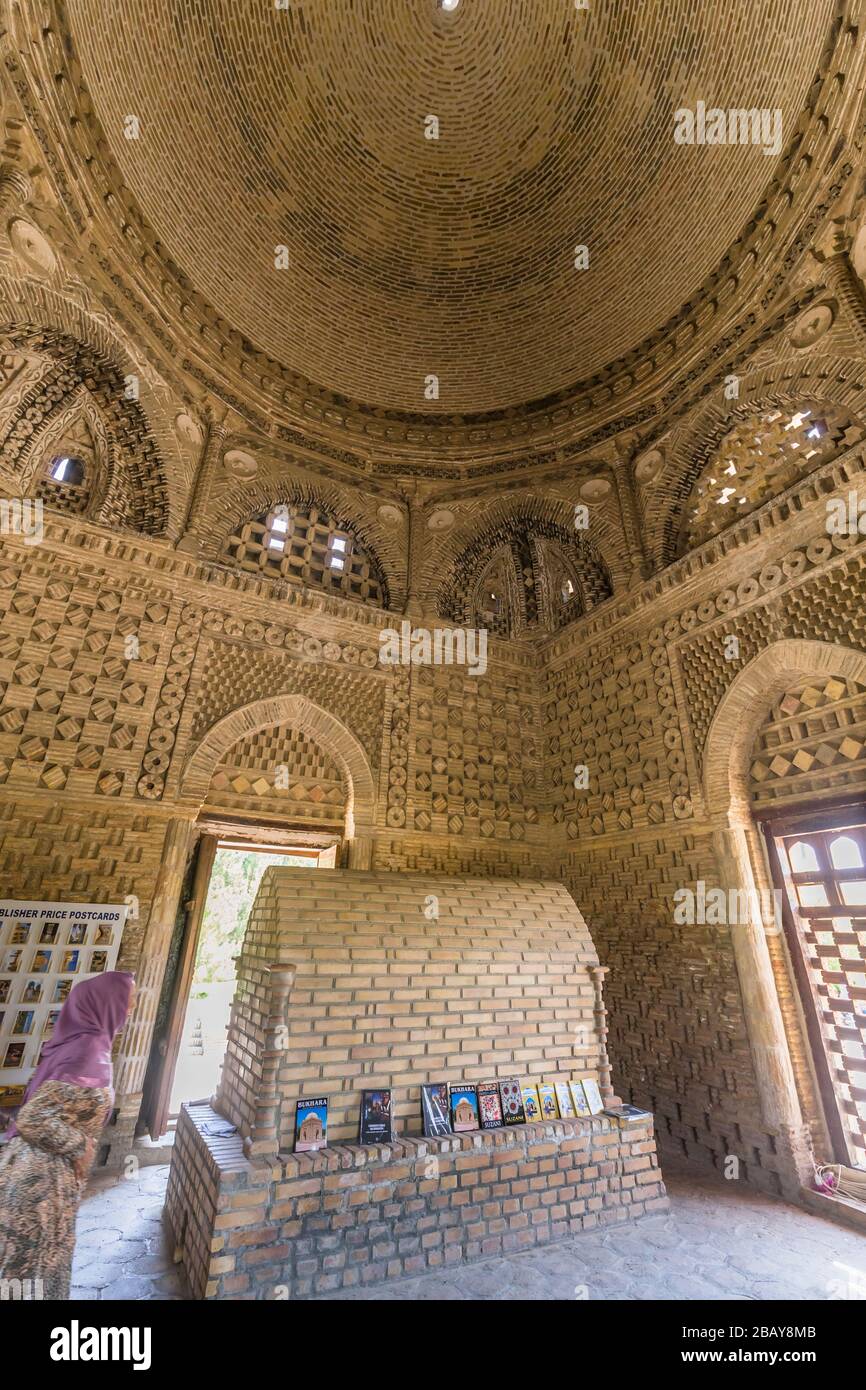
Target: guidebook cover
column 531, row 1103
column 578, row 1095
column 434, row 1109
column 627, row 1114
column 593, row 1095
column 563, row 1100
column 375, row 1117
column 464, row 1108
column 489, row 1105
column 512, row 1103
column 311, row 1124
column 547, row 1096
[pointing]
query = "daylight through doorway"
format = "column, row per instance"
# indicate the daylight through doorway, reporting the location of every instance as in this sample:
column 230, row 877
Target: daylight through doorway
column 231, row 892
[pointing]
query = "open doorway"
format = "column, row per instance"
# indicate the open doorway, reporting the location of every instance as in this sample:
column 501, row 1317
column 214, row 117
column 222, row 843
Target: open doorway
column 190, row 1038
column 234, row 882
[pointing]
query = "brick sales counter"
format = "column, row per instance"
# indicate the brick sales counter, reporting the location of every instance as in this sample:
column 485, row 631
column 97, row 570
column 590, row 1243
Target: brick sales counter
column 350, row 1216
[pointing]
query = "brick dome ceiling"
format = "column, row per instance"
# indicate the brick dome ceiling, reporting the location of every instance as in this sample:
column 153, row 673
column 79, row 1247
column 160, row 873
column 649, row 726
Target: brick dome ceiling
column 454, row 257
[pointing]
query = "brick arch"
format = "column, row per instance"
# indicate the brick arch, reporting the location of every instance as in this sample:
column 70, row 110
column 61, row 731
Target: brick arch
column 310, row 719
column 777, row 1038
column 249, row 500
column 85, row 349
column 288, row 480
column 744, row 707
column 833, row 381
column 485, row 515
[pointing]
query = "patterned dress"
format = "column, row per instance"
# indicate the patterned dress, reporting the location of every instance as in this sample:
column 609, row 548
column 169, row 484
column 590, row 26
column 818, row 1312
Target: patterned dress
column 39, row 1187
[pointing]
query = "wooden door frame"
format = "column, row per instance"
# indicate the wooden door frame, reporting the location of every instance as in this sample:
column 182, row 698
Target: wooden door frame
column 169, row 1044
column 778, row 823
column 217, row 833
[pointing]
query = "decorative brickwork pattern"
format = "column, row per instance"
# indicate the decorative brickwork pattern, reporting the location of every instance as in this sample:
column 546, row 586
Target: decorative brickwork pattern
column 140, row 481
column 759, row 458
column 812, row 743
column 279, row 773
column 475, row 761
column 829, row 608
column 235, row 674
column 372, row 311
column 75, row 696
column 540, row 576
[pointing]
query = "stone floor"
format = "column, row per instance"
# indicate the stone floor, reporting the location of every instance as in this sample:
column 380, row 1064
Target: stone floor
column 721, row 1241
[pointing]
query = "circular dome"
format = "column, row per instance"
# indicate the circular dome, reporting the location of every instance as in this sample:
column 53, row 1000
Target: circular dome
column 380, row 194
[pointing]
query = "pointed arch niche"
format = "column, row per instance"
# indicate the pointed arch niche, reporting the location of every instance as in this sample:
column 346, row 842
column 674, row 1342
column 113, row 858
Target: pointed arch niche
column 774, row 1023
column 324, row 729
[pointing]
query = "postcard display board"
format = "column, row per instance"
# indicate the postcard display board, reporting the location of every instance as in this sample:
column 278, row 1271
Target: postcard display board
column 46, row 948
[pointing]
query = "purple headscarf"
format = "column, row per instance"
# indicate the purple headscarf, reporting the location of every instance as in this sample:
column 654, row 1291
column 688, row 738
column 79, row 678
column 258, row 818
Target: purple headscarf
column 80, row 1046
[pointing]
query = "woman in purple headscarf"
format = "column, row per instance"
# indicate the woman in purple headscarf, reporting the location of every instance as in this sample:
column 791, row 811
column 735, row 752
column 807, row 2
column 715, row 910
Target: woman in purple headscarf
column 44, row 1166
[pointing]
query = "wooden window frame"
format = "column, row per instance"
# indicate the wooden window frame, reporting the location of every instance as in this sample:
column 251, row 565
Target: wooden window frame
column 776, row 825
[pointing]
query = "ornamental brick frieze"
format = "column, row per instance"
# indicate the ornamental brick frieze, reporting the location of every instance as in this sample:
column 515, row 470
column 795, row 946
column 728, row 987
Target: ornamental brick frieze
column 828, row 608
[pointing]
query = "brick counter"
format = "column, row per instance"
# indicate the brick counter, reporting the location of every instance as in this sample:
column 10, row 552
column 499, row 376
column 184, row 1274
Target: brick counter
column 352, row 1215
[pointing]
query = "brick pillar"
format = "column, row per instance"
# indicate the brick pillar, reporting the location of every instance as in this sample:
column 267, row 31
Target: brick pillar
column 264, row 1141
column 631, row 523
column 415, row 556
column 360, row 847
column 196, row 516
column 771, row 1057
column 598, row 973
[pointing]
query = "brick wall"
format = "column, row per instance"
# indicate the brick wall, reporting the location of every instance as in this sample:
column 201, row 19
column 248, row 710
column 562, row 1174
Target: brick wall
column 387, row 995
column 350, row 1216
column 632, row 699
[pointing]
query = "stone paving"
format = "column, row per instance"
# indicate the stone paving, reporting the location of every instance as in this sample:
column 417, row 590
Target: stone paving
column 721, row 1241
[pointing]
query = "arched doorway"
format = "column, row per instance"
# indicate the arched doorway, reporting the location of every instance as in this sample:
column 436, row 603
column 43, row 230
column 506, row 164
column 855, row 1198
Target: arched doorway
column 279, row 780
column 787, row 1041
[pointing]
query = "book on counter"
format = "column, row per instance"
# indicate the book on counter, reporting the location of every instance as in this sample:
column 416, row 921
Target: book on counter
column 578, row 1096
column 563, row 1100
column 489, row 1106
column 593, row 1095
column 627, row 1114
column 464, row 1108
column 375, row 1127
column 547, row 1097
column 311, row 1124
column 434, row 1109
column 531, row 1103
column 512, row 1103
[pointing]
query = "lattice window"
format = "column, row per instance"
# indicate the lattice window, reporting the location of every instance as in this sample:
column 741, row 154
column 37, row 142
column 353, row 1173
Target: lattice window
column 823, row 867
column 304, row 544
column 758, row 459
